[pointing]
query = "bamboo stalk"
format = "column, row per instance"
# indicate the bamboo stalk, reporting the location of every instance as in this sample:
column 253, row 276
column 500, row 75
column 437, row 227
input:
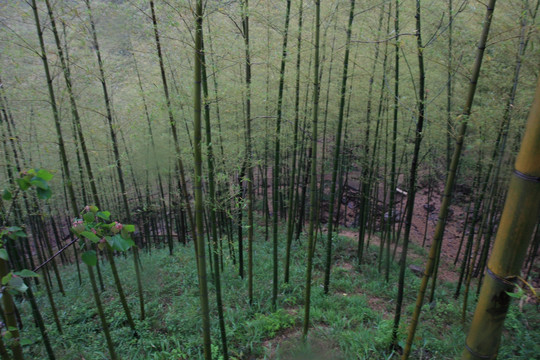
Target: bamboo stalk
column 517, row 223
column 443, row 212
column 337, row 150
column 313, row 181
column 201, row 260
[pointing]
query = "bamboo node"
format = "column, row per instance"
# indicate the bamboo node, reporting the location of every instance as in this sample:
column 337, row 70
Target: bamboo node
column 475, row 354
column 505, row 281
column 526, row 177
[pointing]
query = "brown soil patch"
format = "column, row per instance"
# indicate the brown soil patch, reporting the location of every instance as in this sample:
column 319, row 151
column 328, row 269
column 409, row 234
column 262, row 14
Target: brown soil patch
column 423, row 225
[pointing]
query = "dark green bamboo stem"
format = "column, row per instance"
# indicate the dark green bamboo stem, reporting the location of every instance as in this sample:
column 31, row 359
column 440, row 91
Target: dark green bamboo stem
column 413, row 172
column 199, row 206
column 337, row 150
column 292, row 198
column 313, row 182
column 40, row 323
column 367, row 171
column 60, row 139
column 64, row 58
column 249, row 152
column 276, row 168
column 120, row 174
column 101, row 314
column 392, row 191
column 213, row 205
column 449, row 87
column 443, row 212
column 172, row 123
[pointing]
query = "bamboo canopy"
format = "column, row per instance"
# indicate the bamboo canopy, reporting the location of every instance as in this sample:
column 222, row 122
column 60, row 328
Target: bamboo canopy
column 518, row 220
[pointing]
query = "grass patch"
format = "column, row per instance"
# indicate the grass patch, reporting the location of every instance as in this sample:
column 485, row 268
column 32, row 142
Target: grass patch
column 354, row 321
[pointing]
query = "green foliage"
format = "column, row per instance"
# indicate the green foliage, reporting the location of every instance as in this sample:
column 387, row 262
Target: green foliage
column 13, row 281
column 268, row 325
column 25, row 273
column 89, row 257
column 352, row 322
column 521, row 326
column 119, row 243
column 39, row 179
column 6, row 195
column 115, row 235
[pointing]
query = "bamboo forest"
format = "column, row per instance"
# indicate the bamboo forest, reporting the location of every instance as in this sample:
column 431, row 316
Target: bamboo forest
column 269, row 179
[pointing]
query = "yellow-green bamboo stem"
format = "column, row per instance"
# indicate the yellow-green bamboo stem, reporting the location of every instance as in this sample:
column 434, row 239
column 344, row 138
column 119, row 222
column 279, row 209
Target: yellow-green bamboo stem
column 517, row 223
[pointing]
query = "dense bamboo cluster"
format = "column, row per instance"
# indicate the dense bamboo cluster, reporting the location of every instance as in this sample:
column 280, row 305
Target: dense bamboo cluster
column 223, row 125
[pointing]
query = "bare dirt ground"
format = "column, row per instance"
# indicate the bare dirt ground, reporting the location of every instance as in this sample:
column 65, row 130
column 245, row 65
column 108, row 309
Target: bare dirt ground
column 423, row 223
column 424, row 217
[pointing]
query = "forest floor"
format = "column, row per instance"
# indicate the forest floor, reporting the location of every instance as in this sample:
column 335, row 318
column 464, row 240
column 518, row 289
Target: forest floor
column 353, row 321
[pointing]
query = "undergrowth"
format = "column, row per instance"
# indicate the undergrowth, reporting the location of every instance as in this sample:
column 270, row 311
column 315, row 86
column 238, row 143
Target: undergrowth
column 354, row 321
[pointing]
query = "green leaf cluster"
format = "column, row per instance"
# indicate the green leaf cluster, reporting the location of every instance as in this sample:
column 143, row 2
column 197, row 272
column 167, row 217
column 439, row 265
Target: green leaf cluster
column 37, row 178
column 95, row 226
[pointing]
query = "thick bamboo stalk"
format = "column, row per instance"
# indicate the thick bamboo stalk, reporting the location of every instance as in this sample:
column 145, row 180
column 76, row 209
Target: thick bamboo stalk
column 517, row 223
